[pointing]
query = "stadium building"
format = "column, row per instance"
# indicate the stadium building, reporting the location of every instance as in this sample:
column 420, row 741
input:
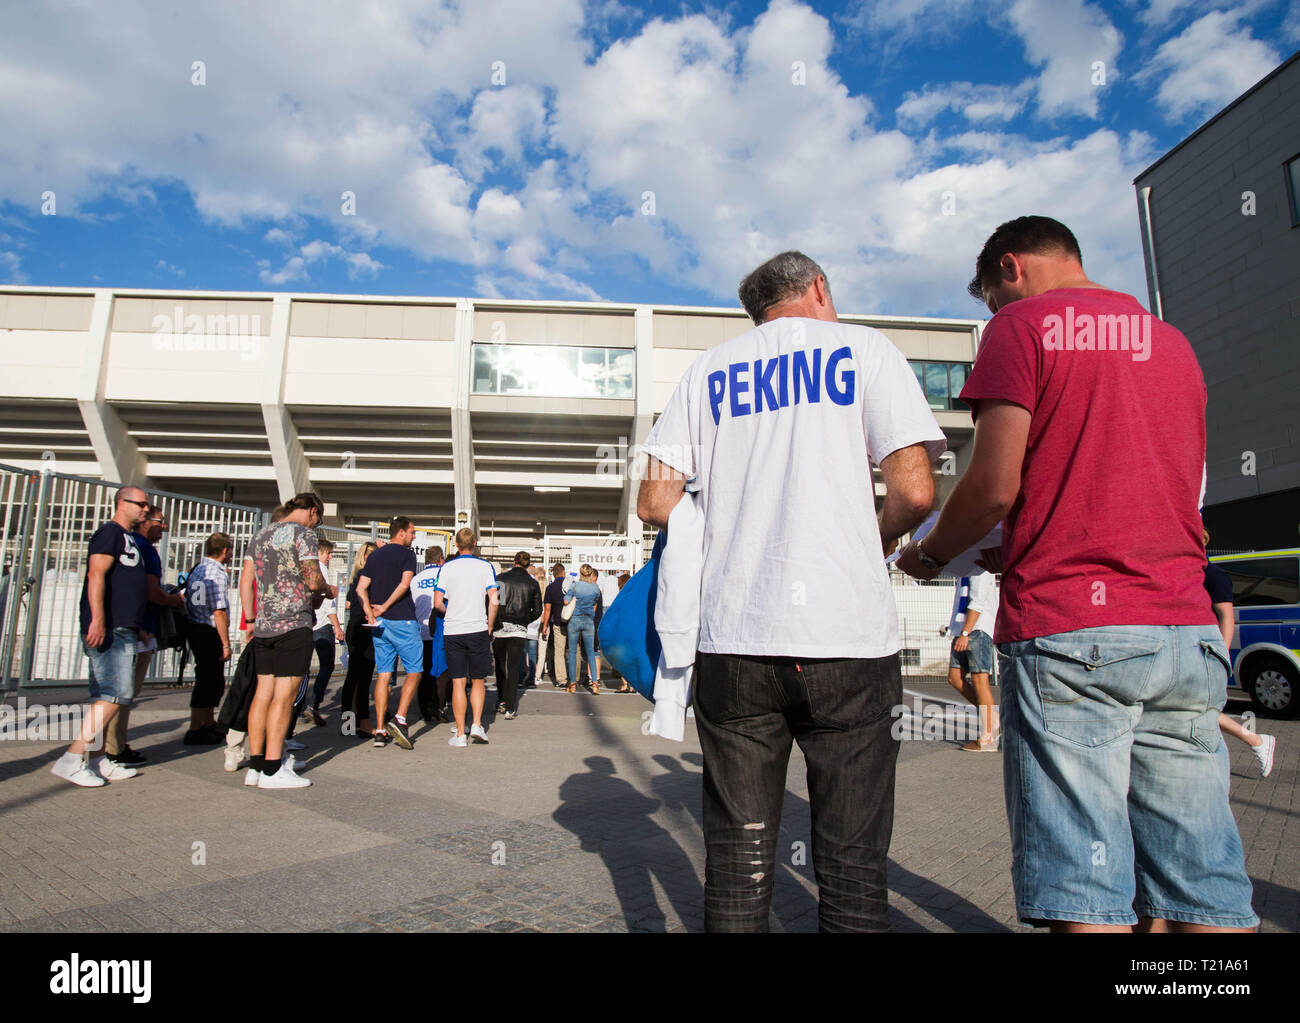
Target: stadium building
column 521, row 417
column 1220, row 218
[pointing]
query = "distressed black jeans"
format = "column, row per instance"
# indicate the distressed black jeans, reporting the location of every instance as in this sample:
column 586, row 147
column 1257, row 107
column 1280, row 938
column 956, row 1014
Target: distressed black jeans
column 747, row 712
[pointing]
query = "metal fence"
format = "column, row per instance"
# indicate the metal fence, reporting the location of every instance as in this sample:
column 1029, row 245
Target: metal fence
column 48, row 520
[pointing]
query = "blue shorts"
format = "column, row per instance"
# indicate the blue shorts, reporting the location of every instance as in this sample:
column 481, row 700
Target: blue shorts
column 394, row 639
column 1117, row 778
column 112, row 671
column 977, row 658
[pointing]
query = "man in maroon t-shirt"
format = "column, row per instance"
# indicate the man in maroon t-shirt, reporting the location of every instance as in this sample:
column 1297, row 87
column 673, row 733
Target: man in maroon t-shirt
column 1089, row 443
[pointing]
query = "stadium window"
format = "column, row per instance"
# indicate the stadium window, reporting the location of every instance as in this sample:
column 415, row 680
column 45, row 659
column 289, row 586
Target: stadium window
column 553, row 371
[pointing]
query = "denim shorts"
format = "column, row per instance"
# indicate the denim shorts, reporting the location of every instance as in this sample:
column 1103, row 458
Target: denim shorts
column 977, row 658
column 112, row 671
column 398, row 638
column 1117, row 778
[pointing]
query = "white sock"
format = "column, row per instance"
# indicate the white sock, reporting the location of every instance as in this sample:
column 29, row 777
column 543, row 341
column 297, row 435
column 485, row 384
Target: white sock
column 400, row 720
column 70, row 759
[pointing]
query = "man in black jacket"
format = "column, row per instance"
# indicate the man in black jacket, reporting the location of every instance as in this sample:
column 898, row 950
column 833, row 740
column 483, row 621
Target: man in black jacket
column 521, row 603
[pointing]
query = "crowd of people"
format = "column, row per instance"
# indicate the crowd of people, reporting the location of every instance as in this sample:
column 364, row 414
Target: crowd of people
column 449, row 624
column 1113, row 658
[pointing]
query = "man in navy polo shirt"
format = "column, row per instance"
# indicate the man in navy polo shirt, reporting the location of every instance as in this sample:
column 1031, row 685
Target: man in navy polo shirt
column 113, row 599
column 384, row 588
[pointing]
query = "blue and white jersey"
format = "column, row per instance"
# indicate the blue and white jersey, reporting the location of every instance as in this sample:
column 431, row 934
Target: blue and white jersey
column 422, row 587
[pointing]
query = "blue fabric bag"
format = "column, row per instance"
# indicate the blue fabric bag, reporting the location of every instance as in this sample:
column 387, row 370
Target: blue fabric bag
column 628, row 639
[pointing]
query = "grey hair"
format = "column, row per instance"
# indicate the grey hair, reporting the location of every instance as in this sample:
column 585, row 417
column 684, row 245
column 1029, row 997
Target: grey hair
column 782, row 277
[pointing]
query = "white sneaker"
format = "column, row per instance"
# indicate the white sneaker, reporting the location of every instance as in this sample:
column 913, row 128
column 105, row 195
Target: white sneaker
column 252, row 778
column 110, row 771
column 234, row 757
column 290, row 763
column 1264, row 754
column 77, row 773
column 459, row 741
column 477, row 734
column 293, row 746
column 282, row 779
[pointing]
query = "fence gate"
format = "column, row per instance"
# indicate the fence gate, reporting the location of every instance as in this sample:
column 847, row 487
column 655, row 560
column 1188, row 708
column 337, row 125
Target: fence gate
column 48, row 520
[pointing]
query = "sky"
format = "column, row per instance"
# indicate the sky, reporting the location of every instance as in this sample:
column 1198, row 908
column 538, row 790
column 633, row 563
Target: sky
column 595, row 150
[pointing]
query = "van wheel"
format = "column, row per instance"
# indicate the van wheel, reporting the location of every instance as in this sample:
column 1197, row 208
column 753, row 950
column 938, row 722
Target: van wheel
column 1273, row 685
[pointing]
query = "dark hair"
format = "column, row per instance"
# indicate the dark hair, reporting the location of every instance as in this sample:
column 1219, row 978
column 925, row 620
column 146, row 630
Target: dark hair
column 217, row 543
column 399, row 524
column 1024, row 234
column 325, row 545
column 782, row 277
column 557, row 569
column 300, row 502
column 432, row 554
column 523, row 559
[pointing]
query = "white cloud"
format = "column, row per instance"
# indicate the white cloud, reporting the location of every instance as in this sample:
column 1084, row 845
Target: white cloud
column 1066, row 38
column 162, row 264
column 307, row 100
column 1291, row 26
column 977, row 103
column 1212, row 62
column 905, row 19
column 296, row 268
column 1158, row 13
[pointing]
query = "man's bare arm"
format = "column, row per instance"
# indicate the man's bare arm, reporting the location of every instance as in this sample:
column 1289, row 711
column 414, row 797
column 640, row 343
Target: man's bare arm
column 247, row 576
column 659, row 493
column 494, row 602
column 909, row 492
column 96, row 574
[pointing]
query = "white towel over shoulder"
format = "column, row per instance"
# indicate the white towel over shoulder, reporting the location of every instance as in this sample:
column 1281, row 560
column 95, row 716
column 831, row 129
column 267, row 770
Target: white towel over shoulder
column 677, row 616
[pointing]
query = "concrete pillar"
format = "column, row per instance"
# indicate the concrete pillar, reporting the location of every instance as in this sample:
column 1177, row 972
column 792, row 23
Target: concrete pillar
column 292, row 472
column 119, row 457
column 642, row 419
column 462, row 438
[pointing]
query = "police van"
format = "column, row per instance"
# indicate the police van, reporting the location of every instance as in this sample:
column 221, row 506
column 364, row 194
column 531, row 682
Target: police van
column 1266, row 645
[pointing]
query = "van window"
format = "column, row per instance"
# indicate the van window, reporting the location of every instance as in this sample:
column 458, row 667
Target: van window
column 1261, row 582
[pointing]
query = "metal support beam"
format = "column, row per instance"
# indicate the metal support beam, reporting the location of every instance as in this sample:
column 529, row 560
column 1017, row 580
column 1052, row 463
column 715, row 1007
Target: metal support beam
column 462, row 438
column 119, row 457
column 292, row 472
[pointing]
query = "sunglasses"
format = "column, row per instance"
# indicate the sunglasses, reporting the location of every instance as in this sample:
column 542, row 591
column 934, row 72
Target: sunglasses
column 141, row 504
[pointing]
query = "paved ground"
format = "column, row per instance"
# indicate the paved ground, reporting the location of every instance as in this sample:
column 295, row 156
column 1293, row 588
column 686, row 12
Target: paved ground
column 570, row 820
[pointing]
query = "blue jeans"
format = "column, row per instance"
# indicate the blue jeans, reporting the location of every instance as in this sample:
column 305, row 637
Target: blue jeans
column 112, row 670
column 1117, row 778
column 528, row 665
column 582, row 629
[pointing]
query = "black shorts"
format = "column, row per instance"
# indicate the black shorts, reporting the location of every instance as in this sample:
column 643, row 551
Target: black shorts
column 287, row 655
column 468, row 656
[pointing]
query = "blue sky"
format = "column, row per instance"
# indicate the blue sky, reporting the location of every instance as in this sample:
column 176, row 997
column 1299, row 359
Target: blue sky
column 556, row 149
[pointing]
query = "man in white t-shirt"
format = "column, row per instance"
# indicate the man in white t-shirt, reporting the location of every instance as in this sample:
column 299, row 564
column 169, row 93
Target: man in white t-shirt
column 467, row 594
column 798, row 633
column 974, row 610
